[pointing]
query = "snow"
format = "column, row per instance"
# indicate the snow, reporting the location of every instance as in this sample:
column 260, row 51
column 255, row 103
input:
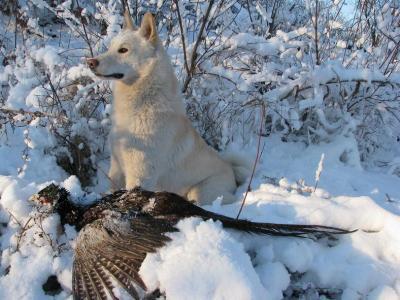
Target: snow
column 215, row 264
column 49, row 56
column 73, row 185
column 204, row 261
column 371, row 253
column 258, row 44
column 324, row 183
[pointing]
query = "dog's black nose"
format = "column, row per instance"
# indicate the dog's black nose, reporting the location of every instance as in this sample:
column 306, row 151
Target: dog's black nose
column 92, row 63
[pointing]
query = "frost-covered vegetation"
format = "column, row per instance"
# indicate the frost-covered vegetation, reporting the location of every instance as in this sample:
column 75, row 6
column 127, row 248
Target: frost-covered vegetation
column 308, row 72
column 315, row 71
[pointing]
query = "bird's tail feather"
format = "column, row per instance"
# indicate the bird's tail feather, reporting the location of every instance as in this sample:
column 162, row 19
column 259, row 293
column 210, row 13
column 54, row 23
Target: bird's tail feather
column 285, row 229
column 311, row 231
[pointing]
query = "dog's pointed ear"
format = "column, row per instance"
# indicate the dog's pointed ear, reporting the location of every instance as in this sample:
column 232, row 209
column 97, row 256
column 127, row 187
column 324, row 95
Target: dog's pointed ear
column 128, row 22
column 148, row 28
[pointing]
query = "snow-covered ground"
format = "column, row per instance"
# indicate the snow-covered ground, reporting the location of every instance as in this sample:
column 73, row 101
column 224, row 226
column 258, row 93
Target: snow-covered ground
column 204, row 261
column 352, row 91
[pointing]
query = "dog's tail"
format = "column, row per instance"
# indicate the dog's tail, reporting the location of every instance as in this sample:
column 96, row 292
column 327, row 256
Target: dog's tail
column 241, row 165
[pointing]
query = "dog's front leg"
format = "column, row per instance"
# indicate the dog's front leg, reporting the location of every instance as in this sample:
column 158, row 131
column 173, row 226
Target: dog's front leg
column 116, row 174
column 145, row 183
column 144, row 176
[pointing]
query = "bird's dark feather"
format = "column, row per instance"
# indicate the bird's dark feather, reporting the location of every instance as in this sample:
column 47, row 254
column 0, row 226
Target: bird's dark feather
column 119, row 231
column 115, row 248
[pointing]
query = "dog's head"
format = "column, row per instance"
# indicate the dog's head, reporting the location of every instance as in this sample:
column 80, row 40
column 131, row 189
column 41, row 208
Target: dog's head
column 130, row 51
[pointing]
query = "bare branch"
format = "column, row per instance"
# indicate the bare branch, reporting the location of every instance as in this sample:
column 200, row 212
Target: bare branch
column 193, row 57
column 182, row 36
column 258, row 156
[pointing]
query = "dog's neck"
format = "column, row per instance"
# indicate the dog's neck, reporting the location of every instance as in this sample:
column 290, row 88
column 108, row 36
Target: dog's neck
column 156, row 86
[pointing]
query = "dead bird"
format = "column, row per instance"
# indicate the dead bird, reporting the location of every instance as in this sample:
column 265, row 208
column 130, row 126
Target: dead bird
column 117, row 232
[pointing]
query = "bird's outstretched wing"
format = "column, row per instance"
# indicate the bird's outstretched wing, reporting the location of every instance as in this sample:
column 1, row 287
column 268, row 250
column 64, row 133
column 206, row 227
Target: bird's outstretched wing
column 110, row 251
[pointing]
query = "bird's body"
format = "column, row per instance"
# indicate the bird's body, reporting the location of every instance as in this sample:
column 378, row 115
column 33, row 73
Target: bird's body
column 117, row 232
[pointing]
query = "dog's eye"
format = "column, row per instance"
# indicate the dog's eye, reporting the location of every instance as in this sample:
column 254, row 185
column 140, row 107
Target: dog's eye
column 122, row 50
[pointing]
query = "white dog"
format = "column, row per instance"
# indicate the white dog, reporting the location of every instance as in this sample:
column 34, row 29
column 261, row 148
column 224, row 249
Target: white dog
column 153, row 143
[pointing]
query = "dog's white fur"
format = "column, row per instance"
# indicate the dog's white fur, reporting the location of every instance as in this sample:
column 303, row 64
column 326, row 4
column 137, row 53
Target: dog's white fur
column 153, row 143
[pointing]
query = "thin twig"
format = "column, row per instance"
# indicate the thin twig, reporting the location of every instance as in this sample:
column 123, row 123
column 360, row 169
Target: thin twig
column 193, row 57
column 14, row 217
column 262, row 113
column 388, row 199
column 84, row 29
column 16, row 25
column 55, row 94
column 317, row 58
column 250, row 16
column 113, row 184
column 39, row 223
column 24, row 228
column 182, row 36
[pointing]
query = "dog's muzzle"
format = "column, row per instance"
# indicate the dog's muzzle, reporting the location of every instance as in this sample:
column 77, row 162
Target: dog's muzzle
column 93, row 63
